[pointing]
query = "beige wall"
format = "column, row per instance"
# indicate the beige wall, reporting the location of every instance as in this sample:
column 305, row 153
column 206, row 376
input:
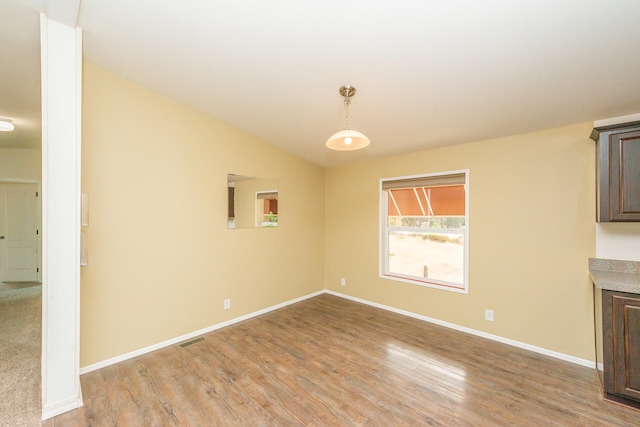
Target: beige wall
column 20, row 165
column 161, row 259
column 532, row 214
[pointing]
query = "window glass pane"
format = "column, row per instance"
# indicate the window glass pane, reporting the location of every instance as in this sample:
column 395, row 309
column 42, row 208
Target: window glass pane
column 427, row 201
column 435, row 256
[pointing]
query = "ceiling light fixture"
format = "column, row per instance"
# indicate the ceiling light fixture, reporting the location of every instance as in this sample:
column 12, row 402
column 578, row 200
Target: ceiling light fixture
column 6, row 125
column 347, row 139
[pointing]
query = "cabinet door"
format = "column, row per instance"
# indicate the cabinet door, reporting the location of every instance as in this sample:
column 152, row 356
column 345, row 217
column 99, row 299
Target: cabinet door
column 626, row 345
column 624, row 176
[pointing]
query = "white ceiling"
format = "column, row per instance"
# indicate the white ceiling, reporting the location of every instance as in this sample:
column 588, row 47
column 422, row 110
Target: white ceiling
column 428, row 73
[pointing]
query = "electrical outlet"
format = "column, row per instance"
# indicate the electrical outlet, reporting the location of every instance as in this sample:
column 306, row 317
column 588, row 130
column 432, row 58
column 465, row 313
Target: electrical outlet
column 227, row 303
column 488, row 315
column 343, row 282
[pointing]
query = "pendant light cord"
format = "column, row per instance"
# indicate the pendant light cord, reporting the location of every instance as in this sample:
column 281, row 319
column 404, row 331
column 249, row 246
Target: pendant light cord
column 347, row 101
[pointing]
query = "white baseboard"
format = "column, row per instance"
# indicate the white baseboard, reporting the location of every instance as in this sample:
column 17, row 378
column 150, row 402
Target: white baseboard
column 50, row 411
column 540, row 350
column 190, row 335
column 194, row 334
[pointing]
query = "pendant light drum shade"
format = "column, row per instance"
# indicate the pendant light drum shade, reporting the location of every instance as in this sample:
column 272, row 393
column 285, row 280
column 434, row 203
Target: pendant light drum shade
column 347, row 140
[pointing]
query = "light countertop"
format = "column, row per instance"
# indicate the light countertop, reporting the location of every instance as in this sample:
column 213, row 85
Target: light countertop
column 615, row 275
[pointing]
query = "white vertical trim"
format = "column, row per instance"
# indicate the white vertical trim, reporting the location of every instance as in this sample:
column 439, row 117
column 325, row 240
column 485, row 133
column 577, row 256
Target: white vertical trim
column 61, row 62
column 44, row 218
column 467, row 221
column 78, row 83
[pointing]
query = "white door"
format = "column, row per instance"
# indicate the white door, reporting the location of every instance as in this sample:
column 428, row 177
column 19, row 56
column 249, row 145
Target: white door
column 19, row 233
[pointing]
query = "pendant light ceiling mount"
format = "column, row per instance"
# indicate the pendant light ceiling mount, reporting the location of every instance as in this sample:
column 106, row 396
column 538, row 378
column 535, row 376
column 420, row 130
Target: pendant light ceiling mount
column 347, row 91
column 347, row 139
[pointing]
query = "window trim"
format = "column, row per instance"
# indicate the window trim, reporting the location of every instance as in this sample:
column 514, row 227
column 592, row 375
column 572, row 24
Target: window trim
column 383, row 269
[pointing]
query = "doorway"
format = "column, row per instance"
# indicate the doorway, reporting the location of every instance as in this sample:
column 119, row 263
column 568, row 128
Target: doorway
column 20, row 237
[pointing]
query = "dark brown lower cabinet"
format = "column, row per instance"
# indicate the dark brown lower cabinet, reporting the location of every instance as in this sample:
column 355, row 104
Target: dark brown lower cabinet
column 621, row 346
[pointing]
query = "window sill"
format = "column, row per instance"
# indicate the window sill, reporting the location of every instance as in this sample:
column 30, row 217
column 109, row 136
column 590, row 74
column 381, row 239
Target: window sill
column 428, row 283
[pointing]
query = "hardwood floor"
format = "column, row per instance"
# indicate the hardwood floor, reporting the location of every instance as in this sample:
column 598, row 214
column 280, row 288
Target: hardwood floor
column 328, row 361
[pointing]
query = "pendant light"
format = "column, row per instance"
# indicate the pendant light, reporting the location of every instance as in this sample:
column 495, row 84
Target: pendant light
column 347, row 139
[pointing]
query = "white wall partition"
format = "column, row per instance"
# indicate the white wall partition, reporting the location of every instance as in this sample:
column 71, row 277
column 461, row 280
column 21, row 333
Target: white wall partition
column 61, row 56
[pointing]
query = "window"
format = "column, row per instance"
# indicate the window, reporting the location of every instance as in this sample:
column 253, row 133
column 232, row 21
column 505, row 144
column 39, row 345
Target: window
column 424, row 230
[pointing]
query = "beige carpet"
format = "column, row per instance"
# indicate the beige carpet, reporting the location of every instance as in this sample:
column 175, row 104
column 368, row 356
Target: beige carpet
column 20, row 350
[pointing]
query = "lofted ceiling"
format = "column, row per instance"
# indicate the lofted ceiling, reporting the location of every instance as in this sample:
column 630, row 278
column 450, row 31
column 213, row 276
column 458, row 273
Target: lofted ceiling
column 428, row 73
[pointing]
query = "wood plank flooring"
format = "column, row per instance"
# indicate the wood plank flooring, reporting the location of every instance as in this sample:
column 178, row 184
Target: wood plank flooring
column 328, row 361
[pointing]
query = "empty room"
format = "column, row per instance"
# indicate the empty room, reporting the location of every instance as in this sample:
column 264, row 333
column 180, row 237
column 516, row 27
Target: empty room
column 348, row 213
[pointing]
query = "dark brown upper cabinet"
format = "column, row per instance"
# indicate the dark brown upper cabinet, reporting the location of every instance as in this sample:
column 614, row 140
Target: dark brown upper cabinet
column 618, row 172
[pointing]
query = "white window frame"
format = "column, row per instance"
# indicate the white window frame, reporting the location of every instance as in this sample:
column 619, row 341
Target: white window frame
column 384, row 237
